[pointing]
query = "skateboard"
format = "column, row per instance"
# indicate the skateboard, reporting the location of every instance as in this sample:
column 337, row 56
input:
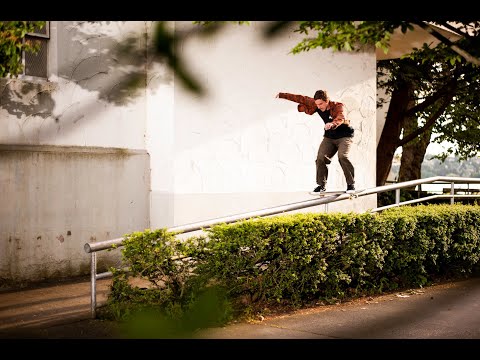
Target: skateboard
column 336, row 192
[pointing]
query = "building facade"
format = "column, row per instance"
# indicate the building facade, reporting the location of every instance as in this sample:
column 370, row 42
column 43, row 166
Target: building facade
column 110, row 141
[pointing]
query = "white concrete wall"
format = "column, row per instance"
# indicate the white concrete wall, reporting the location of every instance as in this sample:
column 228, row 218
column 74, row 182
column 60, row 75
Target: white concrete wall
column 56, row 199
column 241, row 149
column 74, row 146
column 82, row 102
column 73, row 153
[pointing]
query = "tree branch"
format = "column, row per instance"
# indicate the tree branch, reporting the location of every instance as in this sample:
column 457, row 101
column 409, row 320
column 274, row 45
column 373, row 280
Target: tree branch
column 470, row 58
column 444, row 90
column 430, row 122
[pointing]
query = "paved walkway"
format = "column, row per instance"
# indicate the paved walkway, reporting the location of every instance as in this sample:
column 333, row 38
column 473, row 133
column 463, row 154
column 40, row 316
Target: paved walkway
column 442, row 311
column 56, row 310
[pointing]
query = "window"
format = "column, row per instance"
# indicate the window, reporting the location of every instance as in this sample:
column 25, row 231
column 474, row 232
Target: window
column 36, row 64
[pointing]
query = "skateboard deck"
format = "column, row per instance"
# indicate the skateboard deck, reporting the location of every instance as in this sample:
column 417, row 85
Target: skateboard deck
column 335, row 192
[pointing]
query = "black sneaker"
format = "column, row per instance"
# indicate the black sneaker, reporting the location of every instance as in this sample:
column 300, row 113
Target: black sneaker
column 319, row 189
column 350, row 188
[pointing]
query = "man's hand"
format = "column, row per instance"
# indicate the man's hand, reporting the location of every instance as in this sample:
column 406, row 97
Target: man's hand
column 328, row 126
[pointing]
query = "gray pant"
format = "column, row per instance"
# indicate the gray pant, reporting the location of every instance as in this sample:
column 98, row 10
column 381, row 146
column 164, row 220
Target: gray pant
column 329, row 147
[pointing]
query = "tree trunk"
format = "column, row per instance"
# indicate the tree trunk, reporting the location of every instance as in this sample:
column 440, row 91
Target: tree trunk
column 399, row 104
column 413, row 152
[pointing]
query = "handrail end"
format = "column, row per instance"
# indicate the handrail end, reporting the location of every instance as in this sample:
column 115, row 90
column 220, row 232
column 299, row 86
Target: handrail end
column 87, row 248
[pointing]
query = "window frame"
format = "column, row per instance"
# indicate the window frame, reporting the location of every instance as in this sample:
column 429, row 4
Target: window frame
column 45, row 36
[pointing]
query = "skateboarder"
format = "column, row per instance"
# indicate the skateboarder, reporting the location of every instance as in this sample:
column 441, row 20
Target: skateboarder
column 338, row 136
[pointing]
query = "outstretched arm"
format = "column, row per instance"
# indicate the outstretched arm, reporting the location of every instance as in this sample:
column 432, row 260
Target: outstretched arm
column 306, row 104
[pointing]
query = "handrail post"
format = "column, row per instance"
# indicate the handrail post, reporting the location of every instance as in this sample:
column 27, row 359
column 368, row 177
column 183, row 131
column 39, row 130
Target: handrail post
column 397, row 196
column 452, row 192
column 93, row 284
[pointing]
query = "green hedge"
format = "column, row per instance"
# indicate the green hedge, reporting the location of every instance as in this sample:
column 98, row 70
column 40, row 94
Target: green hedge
column 293, row 260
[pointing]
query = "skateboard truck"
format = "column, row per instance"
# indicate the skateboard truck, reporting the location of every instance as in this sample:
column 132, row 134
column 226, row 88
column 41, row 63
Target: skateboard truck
column 352, row 195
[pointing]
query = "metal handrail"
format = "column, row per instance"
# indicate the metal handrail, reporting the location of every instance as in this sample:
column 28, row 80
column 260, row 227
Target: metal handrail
column 94, row 247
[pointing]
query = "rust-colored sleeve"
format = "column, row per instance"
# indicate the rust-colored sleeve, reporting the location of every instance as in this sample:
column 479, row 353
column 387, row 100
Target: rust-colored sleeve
column 306, row 104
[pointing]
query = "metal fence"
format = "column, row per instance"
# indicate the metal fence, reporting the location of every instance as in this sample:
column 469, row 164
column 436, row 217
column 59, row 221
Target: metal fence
column 456, row 192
